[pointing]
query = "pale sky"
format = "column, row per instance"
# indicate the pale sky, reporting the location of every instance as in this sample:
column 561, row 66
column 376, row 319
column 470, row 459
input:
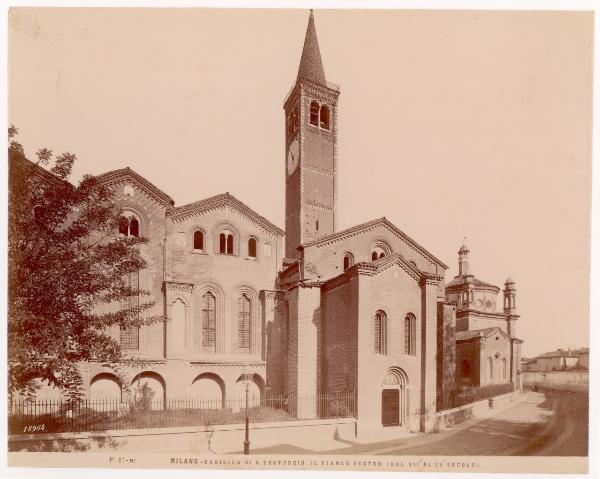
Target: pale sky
column 451, row 124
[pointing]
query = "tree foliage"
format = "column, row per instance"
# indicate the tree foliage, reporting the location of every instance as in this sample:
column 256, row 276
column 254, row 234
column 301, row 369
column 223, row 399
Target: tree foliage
column 66, row 266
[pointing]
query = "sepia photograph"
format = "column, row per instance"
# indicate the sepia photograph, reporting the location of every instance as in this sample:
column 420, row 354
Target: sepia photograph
column 299, row 238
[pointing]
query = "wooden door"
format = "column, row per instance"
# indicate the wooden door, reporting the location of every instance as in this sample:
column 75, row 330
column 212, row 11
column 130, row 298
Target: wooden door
column 390, row 407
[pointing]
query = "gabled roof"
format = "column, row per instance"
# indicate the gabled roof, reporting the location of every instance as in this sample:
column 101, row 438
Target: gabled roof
column 478, row 333
column 127, row 174
column 462, row 280
column 219, row 201
column 372, row 268
column 369, row 225
column 311, row 65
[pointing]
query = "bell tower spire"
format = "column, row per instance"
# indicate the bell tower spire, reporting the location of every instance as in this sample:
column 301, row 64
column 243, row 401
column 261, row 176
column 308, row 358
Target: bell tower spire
column 310, row 150
column 311, row 65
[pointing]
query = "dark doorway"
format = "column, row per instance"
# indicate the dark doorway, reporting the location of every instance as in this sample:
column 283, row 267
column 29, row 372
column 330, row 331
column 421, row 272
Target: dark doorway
column 390, row 407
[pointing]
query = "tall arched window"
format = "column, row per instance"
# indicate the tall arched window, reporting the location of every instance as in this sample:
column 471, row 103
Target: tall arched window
column 491, row 369
column 314, row 113
column 244, row 317
column 504, row 368
column 380, row 332
column 348, row 260
column 129, row 226
column 324, row 117
column 409, row 335
column 209, row 323
column 129, row 338
column 198, row 240
column 252, row 247
column 226, row 243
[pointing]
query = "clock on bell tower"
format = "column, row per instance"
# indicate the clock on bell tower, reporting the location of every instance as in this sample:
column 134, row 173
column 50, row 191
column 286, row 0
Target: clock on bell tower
column 311, row 146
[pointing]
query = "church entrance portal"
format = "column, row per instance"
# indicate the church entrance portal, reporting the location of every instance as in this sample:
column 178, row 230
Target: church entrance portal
column 394, row 398
column 390, row 407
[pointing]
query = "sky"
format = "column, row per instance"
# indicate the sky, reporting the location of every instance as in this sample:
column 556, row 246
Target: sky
column 451, row 124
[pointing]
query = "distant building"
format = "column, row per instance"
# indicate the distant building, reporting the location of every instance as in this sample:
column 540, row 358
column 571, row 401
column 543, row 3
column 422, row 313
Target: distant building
column 559, row 360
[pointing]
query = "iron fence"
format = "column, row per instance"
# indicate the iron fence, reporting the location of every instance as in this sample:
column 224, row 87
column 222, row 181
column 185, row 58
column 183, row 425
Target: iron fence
column 470, row 394
column 31, row 416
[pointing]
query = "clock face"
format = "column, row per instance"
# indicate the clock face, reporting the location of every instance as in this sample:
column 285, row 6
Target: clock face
column 293, row 156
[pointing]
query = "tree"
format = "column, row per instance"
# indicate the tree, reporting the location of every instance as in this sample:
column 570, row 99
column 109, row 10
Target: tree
column 66, row 264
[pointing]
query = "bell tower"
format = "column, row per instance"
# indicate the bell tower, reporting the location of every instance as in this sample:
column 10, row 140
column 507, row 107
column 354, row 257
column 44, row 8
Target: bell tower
column 310, row 150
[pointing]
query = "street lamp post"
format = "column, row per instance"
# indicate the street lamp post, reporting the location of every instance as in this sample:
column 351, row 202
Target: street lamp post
column 247, row 377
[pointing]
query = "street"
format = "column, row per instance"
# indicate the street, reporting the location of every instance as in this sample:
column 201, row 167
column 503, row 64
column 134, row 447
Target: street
column 548, row 424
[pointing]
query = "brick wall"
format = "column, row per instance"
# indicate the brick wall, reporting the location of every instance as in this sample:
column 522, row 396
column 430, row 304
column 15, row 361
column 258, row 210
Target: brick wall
column 446, row 352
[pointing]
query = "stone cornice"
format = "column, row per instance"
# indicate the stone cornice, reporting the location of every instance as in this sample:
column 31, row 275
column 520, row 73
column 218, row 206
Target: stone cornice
column 318, row 206
column 321, row 171
column 475, row 312
column 430, row 279
column 213, row 203
column 370, row 225
column 178, row 286
column 228, row 363
column 127, row 175
column 375, row 267
column 324, row 92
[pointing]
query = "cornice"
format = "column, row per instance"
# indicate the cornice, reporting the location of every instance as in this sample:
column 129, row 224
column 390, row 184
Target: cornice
column 213, row 203
column 323, row 91
column 178, row 286
column 127, row 175
column 319, row 206
column 375, row 267
column 321, row 171
column 368, row 226
column 475, row 312
column 227, row 363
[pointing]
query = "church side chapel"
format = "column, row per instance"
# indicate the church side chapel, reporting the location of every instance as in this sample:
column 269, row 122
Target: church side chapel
column 312, row 311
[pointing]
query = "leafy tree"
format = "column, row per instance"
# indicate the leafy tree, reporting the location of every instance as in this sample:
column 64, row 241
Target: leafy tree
column 66, row 270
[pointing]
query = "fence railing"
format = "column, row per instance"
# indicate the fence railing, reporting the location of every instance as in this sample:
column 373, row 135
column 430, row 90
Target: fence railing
column 29, row 416
column 470, row 394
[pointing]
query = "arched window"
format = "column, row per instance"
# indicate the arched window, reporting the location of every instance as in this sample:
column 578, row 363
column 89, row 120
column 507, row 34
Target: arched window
column 244, row 324
column 380, row 333
column 129, row 226
column 504, row 368
column 209, row 323
column 409, row 335
column 491, row 369
column 314, row 113
column 226, row 243
column 129, row 338
column 252, row 247
column 324, row 117
column 348, row 260
column 198, row 240
column 377, row 253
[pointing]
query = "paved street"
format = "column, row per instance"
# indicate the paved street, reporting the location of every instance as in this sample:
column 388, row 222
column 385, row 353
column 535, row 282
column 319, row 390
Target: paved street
column 554, row 423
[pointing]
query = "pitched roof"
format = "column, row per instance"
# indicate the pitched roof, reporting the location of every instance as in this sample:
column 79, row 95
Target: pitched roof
column 219, row 201
column 477, row 333
column 370, row 224
column 371, row 268
column 460, row 280
column 128, row 174
column 311, row 66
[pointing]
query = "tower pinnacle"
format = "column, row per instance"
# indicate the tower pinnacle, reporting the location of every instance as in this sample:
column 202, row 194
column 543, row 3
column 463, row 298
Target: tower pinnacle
column 311, row 66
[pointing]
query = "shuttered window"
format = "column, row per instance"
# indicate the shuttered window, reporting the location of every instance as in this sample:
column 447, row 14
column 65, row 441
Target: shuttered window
column 379, row 332
column 244, row 324
column 209, row 323
column 409, row 335
column 129, row 338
